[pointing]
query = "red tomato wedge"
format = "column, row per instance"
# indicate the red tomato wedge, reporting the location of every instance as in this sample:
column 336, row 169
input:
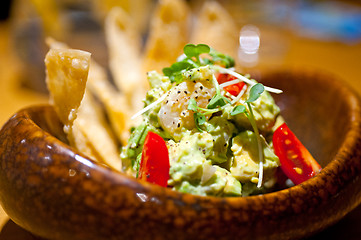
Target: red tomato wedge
column 154, row 165
column 296, row 161
column 234, row 89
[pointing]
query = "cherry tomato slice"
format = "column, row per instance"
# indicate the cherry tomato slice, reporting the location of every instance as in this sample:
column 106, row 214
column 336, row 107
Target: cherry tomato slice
column 154, row 165
column 296, row 161
column 234, row 89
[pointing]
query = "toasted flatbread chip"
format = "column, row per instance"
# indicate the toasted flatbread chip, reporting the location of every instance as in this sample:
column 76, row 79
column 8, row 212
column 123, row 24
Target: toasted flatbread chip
column 216, row 27
column 168, row 34
column 66, row 77
column 115, row 104
column 92, row 134
column 124, row 44
column 138, row 10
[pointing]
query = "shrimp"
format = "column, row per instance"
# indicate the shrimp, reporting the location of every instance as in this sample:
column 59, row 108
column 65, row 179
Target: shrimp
column 174, row 115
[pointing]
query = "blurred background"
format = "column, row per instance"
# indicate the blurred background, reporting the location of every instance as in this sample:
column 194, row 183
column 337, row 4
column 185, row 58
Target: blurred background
column 273, row 34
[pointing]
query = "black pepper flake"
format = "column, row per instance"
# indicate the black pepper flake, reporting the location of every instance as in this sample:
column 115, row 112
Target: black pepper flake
column 198, row 70
column 185, row 92
column 209, row 100
column 194, row 81
column 225, row 144
column 178, row 125
column 201, row 87
column 179, row 92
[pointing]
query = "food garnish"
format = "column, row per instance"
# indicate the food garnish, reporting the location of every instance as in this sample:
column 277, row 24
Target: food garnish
column 154, row 164
column 197, row 107
column 296, row 161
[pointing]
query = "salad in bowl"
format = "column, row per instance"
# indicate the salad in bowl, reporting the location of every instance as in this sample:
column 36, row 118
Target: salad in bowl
column 208, row 130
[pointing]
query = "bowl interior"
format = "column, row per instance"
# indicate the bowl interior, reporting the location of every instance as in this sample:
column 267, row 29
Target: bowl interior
column 317, row 109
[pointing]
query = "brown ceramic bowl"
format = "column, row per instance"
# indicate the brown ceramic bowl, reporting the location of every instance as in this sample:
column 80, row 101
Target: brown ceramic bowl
column 56, row 192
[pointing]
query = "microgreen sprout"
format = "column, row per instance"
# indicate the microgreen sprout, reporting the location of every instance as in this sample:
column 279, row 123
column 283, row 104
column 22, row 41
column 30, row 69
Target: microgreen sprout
column 221, row 59
column 254, row 94
column 193, row 51
column 199, row 113
column 174, row 72
column 150, row 106
column 218, row 100
column 243, row 78
column 238, row 110
column 191, row 59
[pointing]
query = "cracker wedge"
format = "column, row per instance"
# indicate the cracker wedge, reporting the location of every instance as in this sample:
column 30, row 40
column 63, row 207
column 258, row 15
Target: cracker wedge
column 92, row 134
column 66, row 77
column 168, row 34
column 114, row 102
column 124, row 44
column 216, row 27
column 86, row 126
column 138, row 10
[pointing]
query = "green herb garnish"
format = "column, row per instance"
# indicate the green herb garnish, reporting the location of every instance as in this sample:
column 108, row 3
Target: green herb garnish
column 218, row 100
column 191, row 59
column 221, row 59
column 193, row 51
column 174, row 72
column 238, row 110
column 254, row 94
column 199, row 113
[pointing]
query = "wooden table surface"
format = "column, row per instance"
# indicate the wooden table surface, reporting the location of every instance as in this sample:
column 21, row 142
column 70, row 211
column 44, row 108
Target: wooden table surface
column 343, row 60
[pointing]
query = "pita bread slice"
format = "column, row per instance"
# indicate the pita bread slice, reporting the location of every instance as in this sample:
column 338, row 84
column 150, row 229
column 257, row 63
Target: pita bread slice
column 92, row 134
column 124, row 44
column 216, row 28
column 138, row 10
column 115, row 103
column 66, row 77
column 168, row 34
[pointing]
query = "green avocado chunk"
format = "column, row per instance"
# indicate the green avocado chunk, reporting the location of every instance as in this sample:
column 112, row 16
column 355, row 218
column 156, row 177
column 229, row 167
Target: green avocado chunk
column 245, row 165
column 191, row 170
